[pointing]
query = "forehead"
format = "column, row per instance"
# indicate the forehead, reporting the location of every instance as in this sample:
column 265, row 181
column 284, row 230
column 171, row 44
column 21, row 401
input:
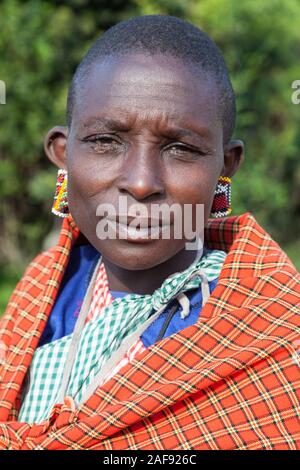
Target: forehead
column 147, row 90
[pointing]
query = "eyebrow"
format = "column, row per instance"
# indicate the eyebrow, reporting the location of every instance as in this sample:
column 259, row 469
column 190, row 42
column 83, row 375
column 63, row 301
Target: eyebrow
column 106, row 123
column 177, row 132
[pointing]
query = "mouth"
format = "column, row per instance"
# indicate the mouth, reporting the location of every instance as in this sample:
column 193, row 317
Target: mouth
column 139, row 229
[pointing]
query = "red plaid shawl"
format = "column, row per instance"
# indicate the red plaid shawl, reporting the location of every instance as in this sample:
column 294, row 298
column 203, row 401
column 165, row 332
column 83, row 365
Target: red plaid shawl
column 231, row 381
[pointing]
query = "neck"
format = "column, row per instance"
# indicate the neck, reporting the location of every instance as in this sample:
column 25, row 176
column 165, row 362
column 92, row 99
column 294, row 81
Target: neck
column 147, row 281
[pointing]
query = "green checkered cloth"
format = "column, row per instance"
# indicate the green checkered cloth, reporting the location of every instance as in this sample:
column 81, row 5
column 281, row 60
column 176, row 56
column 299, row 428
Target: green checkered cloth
column 100, row 337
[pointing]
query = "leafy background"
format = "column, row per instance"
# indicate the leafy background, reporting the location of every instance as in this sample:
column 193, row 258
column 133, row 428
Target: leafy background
column 41, row 43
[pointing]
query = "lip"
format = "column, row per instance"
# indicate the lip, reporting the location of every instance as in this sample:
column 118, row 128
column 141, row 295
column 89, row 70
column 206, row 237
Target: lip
column 144, row 230
column 142, row 222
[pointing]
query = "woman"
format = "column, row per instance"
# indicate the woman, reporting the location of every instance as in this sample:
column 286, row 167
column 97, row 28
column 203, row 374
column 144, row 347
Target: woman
column 117, row 339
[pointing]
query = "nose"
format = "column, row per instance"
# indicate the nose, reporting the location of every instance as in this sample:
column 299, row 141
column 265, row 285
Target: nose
column 142, row 175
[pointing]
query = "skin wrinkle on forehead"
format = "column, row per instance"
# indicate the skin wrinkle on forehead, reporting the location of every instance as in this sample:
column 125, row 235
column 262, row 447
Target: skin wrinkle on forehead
column 159, row 122
column 120, row 102
column 116, row 86
column 132, row 92
column 107, row 123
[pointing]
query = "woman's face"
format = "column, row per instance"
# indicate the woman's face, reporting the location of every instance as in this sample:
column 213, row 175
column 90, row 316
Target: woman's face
column 149, row 129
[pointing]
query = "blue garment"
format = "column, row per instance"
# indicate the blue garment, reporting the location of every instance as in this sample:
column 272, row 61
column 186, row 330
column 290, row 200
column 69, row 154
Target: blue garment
column 116, row 294
column 83, row 259
column 177, row 323
column 82, row 262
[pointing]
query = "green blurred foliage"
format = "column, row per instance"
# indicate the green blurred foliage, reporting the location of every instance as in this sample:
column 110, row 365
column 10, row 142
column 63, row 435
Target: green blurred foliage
column 41, row 43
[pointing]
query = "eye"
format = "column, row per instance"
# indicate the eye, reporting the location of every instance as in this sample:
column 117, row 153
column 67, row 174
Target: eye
column 104, row 143
column 178, row 148
column 184, row 151
column 103, row 139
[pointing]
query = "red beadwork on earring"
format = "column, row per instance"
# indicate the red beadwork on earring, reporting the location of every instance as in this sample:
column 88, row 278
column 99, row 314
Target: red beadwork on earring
column 221, row 206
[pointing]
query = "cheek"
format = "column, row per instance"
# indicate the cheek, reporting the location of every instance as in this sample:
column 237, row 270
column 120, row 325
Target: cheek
column 79, row 186
column 88, row 175
column 194, row 186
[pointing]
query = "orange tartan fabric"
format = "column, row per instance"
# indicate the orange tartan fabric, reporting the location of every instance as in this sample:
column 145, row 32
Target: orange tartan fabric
column 230, row 381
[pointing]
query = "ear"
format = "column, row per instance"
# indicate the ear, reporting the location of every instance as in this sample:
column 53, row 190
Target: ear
column 233, row 157
column 55, row 146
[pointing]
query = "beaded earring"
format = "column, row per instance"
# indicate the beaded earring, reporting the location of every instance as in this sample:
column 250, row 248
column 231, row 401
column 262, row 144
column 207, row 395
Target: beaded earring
column 60, row 203
column 221, row 206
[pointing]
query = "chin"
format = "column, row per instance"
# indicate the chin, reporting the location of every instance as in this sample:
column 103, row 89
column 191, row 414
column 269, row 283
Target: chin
column 139, row 256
